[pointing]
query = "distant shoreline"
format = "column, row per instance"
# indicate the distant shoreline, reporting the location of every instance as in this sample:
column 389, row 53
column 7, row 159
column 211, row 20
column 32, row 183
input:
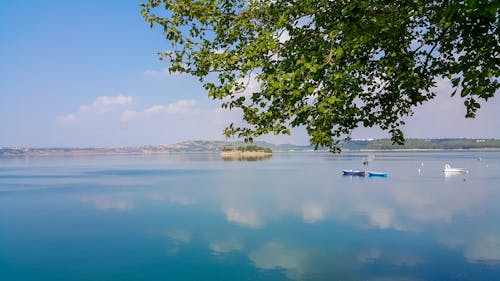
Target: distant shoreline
column 428, row 149
column 233, row 155
column 201, row 146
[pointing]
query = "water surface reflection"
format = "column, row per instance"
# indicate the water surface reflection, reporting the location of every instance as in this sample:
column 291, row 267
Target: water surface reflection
column 292, row 217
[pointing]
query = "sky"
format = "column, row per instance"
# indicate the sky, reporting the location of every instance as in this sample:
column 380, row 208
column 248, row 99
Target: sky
column 86, row 73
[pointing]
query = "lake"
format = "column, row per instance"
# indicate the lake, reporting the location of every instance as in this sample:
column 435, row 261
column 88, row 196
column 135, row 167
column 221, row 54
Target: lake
column 291, row 217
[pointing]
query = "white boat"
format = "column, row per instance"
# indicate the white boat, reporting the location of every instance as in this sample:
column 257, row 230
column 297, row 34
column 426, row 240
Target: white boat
column 449, row 169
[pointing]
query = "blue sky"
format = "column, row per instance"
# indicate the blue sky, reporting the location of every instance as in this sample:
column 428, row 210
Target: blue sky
column 86, row 73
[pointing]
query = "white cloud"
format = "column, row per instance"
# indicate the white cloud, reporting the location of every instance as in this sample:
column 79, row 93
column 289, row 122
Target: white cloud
column 381, row 218
column 101, row 104
column 274, row 255
column 312, row 213
column 179, row 107
column 105, row 101
column 247, row 218
column 176, row 121
column 118, row 108
column 225, row 246
column 67, row 118
column 477, row 244
column 120, row 121
column 156, row 73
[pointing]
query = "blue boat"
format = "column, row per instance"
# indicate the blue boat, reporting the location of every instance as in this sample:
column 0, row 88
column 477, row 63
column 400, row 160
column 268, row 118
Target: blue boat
column 354, row 173
column 377, row 174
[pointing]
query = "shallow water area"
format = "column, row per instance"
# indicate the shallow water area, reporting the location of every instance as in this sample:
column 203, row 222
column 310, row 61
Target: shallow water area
column 291, row 217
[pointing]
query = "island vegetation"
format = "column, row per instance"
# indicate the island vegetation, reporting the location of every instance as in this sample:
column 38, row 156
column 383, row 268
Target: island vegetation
column 249, row 148
column 247, row 152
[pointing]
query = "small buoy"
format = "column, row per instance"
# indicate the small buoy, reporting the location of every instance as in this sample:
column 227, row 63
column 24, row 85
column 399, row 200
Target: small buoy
column 422, row 164
column 419, row 170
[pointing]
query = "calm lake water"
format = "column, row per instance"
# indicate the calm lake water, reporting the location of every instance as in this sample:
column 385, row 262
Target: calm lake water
column 292, row 217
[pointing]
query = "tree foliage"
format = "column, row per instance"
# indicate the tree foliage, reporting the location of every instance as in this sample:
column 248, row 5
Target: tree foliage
column 331, row 65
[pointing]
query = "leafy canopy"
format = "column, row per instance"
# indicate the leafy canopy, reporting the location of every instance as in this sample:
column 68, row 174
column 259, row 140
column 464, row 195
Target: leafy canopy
column 331, row 65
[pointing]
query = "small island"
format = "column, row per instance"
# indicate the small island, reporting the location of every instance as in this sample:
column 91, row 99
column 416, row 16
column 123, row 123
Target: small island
column 249, row 152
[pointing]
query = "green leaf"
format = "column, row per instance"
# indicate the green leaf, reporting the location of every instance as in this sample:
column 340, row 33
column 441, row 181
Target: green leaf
column 343, row 65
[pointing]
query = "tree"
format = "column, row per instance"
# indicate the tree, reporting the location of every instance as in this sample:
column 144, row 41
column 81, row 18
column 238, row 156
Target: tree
column 331, row 65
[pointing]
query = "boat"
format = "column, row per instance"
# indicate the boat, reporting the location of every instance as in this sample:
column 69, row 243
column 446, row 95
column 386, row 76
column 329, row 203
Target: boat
column 354, row 173
column 449, row 169
column 377, row 174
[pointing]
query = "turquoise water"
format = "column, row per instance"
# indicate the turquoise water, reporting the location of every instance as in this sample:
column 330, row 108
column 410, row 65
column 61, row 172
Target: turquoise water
column 291, row 217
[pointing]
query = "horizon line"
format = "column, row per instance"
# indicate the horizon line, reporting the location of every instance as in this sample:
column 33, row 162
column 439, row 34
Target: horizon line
column 227, row 141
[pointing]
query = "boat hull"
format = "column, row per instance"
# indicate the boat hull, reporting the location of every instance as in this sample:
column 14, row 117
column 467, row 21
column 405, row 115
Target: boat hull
column 449, row 169
column 455, row 170
column 354, row 173
column 375, row 174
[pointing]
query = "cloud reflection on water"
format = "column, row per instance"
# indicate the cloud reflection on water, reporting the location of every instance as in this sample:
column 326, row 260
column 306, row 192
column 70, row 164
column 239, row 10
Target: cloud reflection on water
column 273, row 255
column 248, row 218
column 447, row 212
column 226, row 246
column 441, row 211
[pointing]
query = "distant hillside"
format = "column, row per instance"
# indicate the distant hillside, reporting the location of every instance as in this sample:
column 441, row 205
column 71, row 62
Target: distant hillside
column 284, row 147
column 182, row 147
column 214, row 146
column 386, row 144
column 217, row 146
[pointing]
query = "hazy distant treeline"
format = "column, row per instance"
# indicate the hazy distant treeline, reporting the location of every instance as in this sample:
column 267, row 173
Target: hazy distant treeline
column 384, row 144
